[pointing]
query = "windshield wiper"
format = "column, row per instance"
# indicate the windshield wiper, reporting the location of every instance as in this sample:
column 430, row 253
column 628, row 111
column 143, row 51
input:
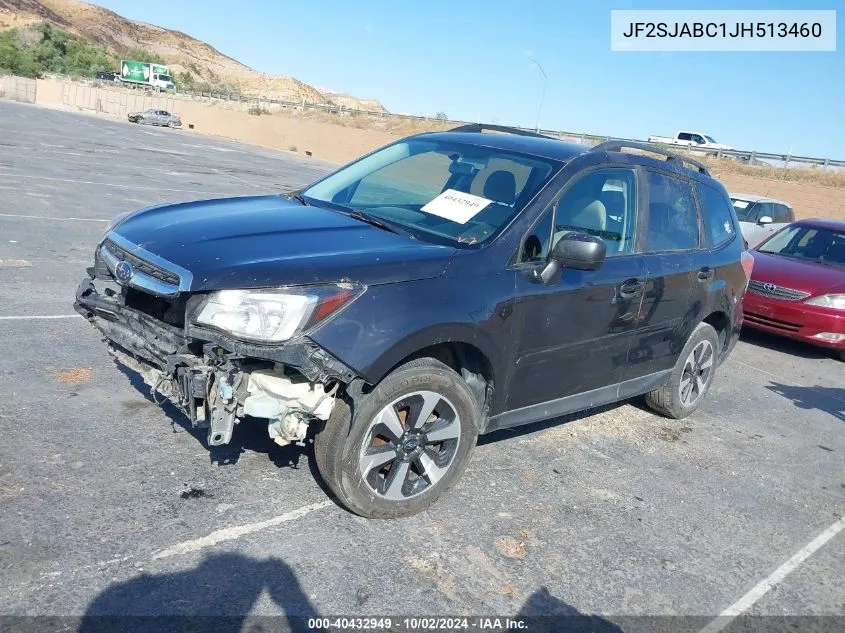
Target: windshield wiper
column 374, row 221
column 299, row 198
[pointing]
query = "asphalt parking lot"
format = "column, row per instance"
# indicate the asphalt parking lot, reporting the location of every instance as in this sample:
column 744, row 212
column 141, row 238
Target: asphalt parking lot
column 110, row 505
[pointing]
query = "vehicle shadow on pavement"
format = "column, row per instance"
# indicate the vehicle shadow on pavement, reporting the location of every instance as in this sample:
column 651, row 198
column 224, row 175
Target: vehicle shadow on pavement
column 782, row 344
column 547, row 613
column 216, row 596
column 248, row 436
column 828, row 399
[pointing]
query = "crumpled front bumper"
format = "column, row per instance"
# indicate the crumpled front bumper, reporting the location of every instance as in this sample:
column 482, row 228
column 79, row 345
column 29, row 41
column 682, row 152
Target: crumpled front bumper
column 136, row 332
column 214, row 381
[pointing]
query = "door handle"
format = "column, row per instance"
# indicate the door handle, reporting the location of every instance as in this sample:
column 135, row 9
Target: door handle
column 630, row 288
column 705, row 273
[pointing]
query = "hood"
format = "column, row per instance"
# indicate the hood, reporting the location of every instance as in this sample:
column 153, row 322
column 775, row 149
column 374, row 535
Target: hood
column 817, row 279
column 721, row 146
column 264, row 241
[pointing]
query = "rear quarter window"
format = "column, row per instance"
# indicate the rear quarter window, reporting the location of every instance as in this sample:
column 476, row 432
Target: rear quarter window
column 718, row 215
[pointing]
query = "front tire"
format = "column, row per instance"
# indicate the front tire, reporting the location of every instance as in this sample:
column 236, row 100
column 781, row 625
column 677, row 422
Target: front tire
column 407, row 443
column 691, row 378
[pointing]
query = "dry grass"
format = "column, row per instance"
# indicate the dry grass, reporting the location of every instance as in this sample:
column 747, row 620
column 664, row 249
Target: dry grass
column 719, row 167
column 811, row 175
column 400, row 127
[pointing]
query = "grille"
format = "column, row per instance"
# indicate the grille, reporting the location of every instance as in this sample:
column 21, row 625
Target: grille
column 101, row 270
column 776, row 292
column 141, row 265
column 759, row 319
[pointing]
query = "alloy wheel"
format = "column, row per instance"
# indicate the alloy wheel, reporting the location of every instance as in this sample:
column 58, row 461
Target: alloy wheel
column 696, row 373
column 410, row 445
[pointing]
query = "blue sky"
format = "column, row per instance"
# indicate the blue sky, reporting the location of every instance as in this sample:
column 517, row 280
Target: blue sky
column 471, row 60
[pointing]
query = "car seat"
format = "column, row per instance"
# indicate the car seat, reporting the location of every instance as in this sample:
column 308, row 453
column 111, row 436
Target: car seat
column 500, row 187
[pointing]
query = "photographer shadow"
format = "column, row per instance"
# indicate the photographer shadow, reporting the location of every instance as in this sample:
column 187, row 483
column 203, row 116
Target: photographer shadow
column 214, row 597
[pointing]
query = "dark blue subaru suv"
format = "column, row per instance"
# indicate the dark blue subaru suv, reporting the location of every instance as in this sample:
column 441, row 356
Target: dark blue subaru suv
column 447, row 285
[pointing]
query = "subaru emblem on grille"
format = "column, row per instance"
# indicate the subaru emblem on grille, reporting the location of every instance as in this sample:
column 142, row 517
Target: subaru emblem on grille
column 768, row 287
column 123, row 271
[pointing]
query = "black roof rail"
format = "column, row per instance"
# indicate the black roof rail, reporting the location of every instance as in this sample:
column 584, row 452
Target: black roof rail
column 481, row 127
column 616, row 146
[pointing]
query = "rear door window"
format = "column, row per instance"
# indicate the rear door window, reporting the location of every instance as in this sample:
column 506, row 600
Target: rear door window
column 782, row 215
column 672, row 215
column 717, row 214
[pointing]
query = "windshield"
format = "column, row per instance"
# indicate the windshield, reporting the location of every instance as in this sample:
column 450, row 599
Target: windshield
column 744, row 210
column 815, row 244
column 437, row 189
column 710, row 139
column 164, row 78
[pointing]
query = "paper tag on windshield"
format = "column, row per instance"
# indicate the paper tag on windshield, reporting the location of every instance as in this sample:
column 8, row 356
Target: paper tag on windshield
column 456, row 206
column 741, row 204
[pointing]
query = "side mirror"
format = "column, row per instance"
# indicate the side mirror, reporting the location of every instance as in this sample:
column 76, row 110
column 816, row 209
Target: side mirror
column 766, row 219
column 574, row 250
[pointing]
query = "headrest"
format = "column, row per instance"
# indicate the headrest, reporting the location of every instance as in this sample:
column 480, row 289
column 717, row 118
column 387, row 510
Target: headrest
column 501, row 187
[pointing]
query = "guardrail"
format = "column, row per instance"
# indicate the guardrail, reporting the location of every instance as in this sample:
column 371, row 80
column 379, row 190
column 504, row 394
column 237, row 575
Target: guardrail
column 752, row 157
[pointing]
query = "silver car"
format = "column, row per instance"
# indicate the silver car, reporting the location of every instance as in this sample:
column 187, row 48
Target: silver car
column 759, row 216
column 156, row 117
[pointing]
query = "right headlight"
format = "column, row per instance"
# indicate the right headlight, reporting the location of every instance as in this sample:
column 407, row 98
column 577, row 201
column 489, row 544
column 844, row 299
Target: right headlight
column 835, row 301
column 274, row 315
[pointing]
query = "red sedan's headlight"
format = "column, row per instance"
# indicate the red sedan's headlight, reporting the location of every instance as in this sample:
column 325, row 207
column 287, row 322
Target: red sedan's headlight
column 836, row 301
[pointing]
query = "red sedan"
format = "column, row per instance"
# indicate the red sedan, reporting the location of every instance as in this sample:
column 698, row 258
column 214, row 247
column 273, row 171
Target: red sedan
column 797, row 287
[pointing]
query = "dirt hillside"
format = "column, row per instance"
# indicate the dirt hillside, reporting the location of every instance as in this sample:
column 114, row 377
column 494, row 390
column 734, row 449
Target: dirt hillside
column 182, row 52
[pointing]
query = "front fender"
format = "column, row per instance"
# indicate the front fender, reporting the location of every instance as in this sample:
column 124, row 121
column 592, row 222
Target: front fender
column 391, row 322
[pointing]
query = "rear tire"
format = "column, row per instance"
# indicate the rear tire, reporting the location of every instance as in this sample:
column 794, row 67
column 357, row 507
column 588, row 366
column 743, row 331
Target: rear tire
column 408, row 442
column 691, row 377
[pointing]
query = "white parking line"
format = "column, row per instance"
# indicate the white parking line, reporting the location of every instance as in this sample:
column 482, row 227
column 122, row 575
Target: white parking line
column 40, row 317
column 42, row 217
column 106, row 184
column 764, row 586
column 232, row 533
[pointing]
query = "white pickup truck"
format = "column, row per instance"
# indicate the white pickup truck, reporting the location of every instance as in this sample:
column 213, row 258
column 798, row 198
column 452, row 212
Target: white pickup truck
column 695, row 139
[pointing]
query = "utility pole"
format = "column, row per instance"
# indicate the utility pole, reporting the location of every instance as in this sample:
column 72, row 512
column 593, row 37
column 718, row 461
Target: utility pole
column 543, row 95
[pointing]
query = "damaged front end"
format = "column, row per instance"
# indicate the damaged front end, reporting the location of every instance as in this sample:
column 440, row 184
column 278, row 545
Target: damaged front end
column 150, row 327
